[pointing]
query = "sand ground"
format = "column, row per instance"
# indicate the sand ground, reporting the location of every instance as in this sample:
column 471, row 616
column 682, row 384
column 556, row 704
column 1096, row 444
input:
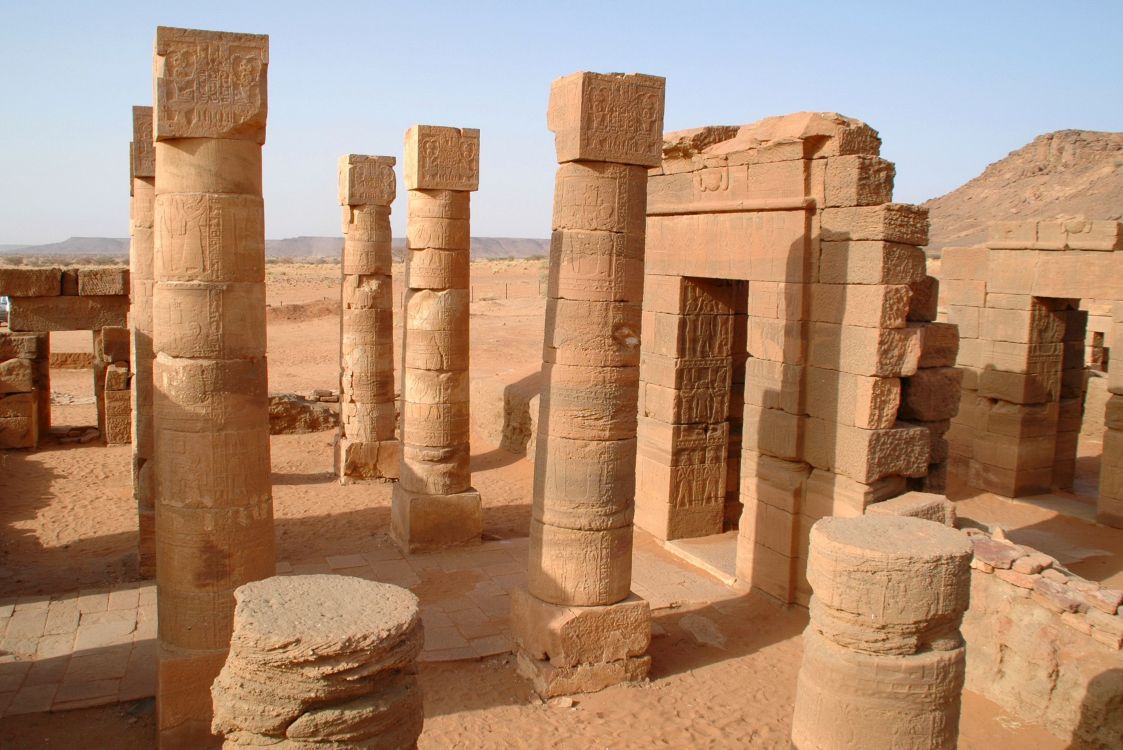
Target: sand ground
column 723, row 676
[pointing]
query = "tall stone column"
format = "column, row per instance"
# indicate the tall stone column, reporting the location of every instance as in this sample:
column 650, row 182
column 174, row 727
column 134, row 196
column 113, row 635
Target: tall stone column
column 214, row 509
column 578, row 628
column 142, row 189
column 366, row 447
column 434, row 504
column 883, row 659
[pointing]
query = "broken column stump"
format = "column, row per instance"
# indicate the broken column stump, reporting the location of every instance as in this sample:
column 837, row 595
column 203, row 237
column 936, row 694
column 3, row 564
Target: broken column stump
column 883, row 659
column 321, row 661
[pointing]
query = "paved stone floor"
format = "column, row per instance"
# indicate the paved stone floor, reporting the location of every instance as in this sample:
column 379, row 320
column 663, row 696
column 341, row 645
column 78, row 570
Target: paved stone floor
column 95, row 647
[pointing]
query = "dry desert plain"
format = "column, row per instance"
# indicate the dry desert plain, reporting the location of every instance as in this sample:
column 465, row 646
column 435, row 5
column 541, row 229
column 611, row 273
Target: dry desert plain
column 723, row 676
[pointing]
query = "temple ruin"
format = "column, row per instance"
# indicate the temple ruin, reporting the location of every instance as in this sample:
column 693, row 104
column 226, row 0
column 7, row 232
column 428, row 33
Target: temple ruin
column 746, row 351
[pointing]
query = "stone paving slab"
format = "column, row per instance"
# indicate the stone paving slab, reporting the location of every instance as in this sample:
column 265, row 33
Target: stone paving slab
column 98, row 646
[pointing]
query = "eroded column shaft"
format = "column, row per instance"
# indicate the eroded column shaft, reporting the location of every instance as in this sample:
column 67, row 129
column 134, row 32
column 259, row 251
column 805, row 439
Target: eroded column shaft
column 434, row 504
column 366, row 447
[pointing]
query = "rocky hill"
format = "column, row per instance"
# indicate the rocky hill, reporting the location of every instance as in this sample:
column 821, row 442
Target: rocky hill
column 1069, row 172
column 483, row 248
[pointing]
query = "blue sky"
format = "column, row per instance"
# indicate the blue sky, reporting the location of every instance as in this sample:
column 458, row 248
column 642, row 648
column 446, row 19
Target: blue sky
column 951, row 86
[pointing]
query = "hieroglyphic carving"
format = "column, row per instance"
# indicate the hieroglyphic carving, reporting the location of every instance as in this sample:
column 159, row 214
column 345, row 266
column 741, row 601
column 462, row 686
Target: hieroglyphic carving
column 210, row 84
column 367, row 180
column 142, row 155
column 441, row 158
column 210, row 237
column 608, row 117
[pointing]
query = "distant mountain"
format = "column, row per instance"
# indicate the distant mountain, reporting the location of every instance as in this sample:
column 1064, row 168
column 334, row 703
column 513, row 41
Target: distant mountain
column 483, row 248
column 1068, row 172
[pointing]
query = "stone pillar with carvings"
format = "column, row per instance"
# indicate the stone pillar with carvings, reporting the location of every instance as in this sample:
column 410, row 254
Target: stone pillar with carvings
column 579, row 628
column 434, row 504
column 214, row 507
column 142, row 190
column 366, row 447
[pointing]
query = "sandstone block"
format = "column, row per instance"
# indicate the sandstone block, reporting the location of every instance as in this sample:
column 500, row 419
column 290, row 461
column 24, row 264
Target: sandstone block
column 103, row 281
column 208, row 320
column 442, row 158
column 682, row 444
column 969, row 263
column 857, row 400
column 889, row 222
column 568, row 636
column 584, row 484
column 885, row 353
column 600, row 196
column 68, row 313
column 680, row 295
column 608, row 118
column 218, row 166
column 925, row 505
column 142, row 158
column 367, row 180
column 688, row 336
column 439, row 204
column 870, row 262
column 939, row 345
column 589, row 403
column 550, row 681
column 21, row 345
column 579, row 567
column 868, row 455
column 435, row 425
column 184, row 110
column 597, row 266
column 597, row 334
column 875, row 306
column 16, row 376
column 931, row 395
column 435, row 470
column 30, row 282
column 923, row 302
column 830, row 494
column 20, row 432
column 779, row 340
column 443, row 234
column 421, row 522
column 858, row 180
column 429, row 310
column 774, row 432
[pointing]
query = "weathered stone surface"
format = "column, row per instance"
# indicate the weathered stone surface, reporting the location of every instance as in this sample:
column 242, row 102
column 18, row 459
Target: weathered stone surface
column 30, row 282
column 608, row 118
column 210, row 84
column 300, row 643
column 103, row 282
column 71, row 313
column 926, row 505
column 421, row 521
column 442, row 158
column 289, row 414
column 366, row 180
column 567, row 636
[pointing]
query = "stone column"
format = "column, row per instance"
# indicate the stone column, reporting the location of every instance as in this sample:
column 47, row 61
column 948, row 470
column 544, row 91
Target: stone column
column 321, row 661
column 142, row 190
column 883, row 659
column 578, row 628
column 1109, row 507
column 434, row 504
column 214, row 509
column 366, row 447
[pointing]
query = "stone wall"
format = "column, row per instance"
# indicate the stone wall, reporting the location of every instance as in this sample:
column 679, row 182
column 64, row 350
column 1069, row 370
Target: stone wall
column 1033, row 306
column 1045, row 644
column 20, row 354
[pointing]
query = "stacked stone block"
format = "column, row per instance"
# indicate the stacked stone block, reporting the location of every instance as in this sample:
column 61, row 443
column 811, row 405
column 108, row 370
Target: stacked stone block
column 1026, row 304
column 838, row 307
column 142, row 282
column 883, row 659
column 366, row 447
column 434, row 504
column 55, row 299
column 19, row 397
column 113, row 385
column 577, row 628
column 214, row 508
column 321, row 661
column 1110, row 509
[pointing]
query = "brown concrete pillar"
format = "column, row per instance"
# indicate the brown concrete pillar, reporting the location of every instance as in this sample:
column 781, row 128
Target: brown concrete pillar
column 883, row 658
column 366, row 447
column 214, row 510
column 434, row 504
column 609, row 130
column 142, row 190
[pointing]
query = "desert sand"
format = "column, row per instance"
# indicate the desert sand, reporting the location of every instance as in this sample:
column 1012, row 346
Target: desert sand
column 723, row 675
